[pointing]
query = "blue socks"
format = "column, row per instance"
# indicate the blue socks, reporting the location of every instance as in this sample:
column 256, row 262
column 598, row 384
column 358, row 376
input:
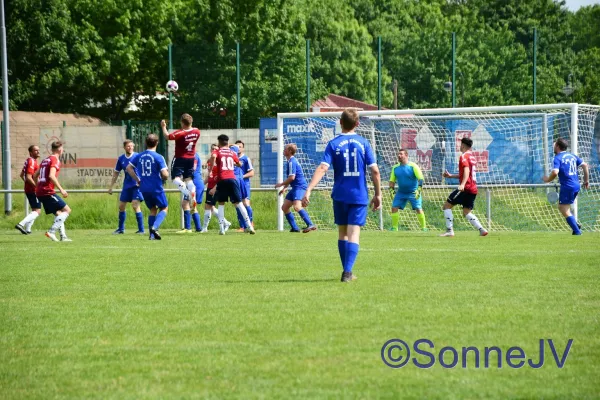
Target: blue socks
column 197, row 223
column 250, row 213
column 151, row 219
column 122, row 215
column 292, row 221
column 342, row 250
column 573, row 224
column 159, row 219
column 140, row 221
column 304, row 215
column 351, row 253
column 187, row 219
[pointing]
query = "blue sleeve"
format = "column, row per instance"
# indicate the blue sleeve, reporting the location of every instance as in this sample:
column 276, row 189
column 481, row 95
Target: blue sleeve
column 292, row 168
column 118, row 167
column 249, row 163
column 161, row 162
column 579, row 161
column 134, row 160
column 556, row 164
column 369, row 156
column 328, row 154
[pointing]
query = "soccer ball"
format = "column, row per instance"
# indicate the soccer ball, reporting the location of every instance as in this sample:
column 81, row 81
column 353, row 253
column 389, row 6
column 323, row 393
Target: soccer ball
column 172, row 86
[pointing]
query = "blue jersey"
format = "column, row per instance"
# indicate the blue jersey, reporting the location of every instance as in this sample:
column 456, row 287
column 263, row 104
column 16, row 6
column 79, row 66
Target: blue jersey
column 349, row 154
column 122, row 163
column 197, row 168
column 566, row 164
column 407, row 176
column 149, row 164
column 293, row 168
column 246, row 166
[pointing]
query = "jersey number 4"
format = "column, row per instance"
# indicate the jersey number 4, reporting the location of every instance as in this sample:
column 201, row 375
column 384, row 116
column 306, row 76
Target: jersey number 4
column 348, row 156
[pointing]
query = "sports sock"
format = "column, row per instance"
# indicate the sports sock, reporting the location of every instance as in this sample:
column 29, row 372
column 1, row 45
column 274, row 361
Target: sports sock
column 58, row 220
column 250, row 213
column 351, row 253
column 207, row 217
column 240, row 218
column 573, row 224
column 421, row 218
column 196, row 218
column 221, row 214
column 187, row 219
column 181, row 186
column 139, row 216
column 395, row 220
column 28, row 220
column 191, row 187
column 240, row 207
column 160, row 217
column 151, row 219
column 62, row 230
column 474, row 221
column 122, row 216
column 449, row 219
column 304, row 215
column 291, row 220
column 342, row 251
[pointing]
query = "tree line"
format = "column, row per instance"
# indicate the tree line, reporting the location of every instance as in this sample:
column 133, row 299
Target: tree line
column 95, row 56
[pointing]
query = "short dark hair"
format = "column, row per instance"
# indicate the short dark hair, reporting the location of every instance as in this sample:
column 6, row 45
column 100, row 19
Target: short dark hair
column 403, row 150
column 187, row 119
column 562, row 144
column 126, row 142
column 240, row 142
column 30, row 148
column 223, row 140
column 467, row 142
column 349, row 119
column 56, row 145
column 151, row 140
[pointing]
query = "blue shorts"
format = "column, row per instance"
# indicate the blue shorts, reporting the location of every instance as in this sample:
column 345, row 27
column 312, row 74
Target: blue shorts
column 52, row 203
column 400, row 200
column 130, row 194
column 210, row 199
column 567, row 195
column 242, row 185
column 199, row 190
column 183, row 167
column 228, row 189
column 295, row 194
column 349, row 214
column 154, row 199
column 34, row 203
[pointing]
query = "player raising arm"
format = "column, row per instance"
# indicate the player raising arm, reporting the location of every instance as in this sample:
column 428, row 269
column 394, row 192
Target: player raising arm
column 565, row 166
column 349, row 154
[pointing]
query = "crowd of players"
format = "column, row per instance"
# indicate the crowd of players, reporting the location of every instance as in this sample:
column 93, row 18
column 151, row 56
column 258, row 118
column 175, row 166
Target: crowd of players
column 228, row 179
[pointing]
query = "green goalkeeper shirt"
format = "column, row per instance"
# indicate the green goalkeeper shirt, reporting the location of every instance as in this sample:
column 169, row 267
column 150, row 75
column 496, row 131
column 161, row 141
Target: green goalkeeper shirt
column 407, row 177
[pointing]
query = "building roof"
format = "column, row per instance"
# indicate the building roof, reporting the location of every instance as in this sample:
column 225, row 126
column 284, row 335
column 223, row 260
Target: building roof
column 335, row 102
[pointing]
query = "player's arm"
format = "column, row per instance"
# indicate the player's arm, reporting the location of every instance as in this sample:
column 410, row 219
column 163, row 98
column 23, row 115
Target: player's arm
column 165, row 132
column 586, row 175
column 115, row 175
column 466, row 174
column 29, row 179
column 36, row 175
column 552, row 176
column 447, row 174
column 52, row 177
column 392, row 182
column 250, row 172
column 131, row 171
column 420, row 178
column 22, row 175
column 376, row 178
column 164, row 173
column 320, row 172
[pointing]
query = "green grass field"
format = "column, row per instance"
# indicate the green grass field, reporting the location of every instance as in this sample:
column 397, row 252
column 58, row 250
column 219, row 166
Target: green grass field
column 265, row 316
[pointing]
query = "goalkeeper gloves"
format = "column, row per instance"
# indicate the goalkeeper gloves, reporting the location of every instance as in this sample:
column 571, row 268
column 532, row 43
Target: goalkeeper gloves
column 418, row 193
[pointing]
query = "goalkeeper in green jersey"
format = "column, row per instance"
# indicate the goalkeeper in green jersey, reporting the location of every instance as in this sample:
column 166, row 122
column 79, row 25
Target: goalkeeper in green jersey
column 409, row 177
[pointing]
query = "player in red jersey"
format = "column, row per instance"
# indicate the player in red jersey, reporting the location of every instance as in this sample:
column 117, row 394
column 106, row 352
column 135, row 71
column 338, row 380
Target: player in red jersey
column 210, row 201
column 182, row 166
column 47, row 181
column 227, row 187
column 466, row 192
column 29, row 169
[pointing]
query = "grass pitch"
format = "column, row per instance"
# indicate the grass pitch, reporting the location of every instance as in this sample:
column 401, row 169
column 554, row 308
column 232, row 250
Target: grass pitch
column 265, row 316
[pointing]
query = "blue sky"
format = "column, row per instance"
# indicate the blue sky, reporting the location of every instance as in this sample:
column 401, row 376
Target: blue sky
column 574, row 5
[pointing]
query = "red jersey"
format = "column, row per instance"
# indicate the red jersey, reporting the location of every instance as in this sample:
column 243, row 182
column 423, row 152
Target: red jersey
column 185, row 142
column 225, row 163
column 45, row 187
column 31, row 165
column 212, row 176
column 468, row 160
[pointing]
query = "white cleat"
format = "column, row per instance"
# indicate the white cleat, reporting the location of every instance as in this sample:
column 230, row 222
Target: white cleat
column 52, row 236
column 222, row 230
column 251, row 230
column 65, row 239
column 227, row 225
column 448, row 234
column 483, row 232
column 204, row 231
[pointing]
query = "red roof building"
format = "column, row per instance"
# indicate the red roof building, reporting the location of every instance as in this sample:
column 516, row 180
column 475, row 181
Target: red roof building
column 334, row 102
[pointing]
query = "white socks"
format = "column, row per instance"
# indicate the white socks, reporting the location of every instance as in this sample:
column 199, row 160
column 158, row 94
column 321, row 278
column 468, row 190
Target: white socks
column 28, row 221
column 474, row 221
column 58, row 221
column 181, row 186
column 449, row 219
column 221, row 214
column 207, row 216
column 244, row 213
column 191, row 187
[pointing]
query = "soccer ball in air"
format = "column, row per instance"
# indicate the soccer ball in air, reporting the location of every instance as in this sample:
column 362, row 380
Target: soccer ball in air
column 172, row 86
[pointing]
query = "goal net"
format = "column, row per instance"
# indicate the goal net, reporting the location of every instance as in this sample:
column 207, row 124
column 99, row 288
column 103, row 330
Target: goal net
column 513, row 146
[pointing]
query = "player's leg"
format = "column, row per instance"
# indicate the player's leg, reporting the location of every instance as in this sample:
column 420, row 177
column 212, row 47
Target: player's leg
column 395, row 218
column 136, row 205
column 286, row 208
column 26, row 223
column 56, row 205
column 246, row 202
column 160, row 200
column 417, row 205
column 398, row 203
column 209, row 204
column 565, row 199
column 236, row 199
column 342, row 242
column 61, row 229
column 452, row 200
column 122, row 216
column 297, row 202
column 153, row 210
column 357, row 217
column 191, row 187
column 195, row 213
column 468, row 205
column 187, row 215
column 178, row 166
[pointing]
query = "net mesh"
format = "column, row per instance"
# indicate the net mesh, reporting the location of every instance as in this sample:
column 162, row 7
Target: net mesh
column 514, row 150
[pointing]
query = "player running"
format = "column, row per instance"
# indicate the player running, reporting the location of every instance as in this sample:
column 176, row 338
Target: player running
column 29, row 169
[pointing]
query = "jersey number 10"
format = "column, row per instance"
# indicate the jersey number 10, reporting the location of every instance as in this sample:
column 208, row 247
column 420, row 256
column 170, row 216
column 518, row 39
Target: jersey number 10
column 347, row 156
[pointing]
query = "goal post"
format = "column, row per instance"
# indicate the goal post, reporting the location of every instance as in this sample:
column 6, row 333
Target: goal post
column 512, row 145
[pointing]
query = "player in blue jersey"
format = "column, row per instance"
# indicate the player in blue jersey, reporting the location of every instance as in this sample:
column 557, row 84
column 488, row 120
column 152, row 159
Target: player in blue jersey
column 199, row 183
column 153, row 171
column 297, row 182
column 350, row 155
column 130, row 193
column 248, row 171
column 239, row 176
column 409, row 178
column 565, row 167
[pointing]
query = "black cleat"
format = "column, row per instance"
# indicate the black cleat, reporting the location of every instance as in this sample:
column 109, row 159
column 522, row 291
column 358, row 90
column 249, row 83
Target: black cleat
column 154, row 235
column 20, row 228
column 118, row 232
column 295, row 230
column 309, row 229
column 579, row 225
column 140, row 233
column 348, row 277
